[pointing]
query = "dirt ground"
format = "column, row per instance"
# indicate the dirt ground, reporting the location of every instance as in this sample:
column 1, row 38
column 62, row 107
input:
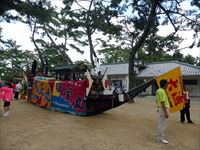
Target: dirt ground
column 128, row 127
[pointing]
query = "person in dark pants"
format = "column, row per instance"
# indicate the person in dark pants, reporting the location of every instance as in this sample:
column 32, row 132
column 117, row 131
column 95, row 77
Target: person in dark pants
column 7, row 96
column 30, row 84
column 186, row 109
column 17, row 90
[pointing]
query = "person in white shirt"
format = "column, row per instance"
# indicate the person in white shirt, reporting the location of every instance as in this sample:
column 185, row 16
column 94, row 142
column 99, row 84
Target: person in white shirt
column 17, row 90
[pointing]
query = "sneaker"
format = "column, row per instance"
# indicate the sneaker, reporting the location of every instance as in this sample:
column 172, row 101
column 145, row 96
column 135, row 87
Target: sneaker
column 163, row 141
column 191, row 122
column 6, row 114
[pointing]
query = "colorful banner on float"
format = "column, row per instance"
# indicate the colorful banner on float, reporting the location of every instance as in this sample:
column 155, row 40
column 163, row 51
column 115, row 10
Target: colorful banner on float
column 174, row 88
column 42, row 93
column 64, row 96
column 68, row 96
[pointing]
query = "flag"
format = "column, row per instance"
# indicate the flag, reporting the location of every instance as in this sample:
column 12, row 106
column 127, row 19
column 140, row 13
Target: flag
column 105, row 82
column 89, row 82
column 174, row 89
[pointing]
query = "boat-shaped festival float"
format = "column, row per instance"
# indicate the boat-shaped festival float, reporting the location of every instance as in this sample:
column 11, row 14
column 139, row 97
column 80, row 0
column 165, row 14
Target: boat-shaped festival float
column 75, row 90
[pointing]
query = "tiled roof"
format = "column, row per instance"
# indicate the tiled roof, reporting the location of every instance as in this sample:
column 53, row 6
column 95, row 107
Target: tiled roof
column 115, row 69
column 158, row 68
column 153, row 69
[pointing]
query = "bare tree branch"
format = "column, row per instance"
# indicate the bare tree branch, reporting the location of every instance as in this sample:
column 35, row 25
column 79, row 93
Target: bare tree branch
column 80, row 5
column 58, row 47
column 167, row 13
column 35, row 44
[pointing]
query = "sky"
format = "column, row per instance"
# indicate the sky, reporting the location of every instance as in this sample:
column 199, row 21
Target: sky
column 187, row 41
column 21, row 33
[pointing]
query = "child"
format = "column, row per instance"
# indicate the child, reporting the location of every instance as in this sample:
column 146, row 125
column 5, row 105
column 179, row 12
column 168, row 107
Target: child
column 186, row 109
column 7, row 96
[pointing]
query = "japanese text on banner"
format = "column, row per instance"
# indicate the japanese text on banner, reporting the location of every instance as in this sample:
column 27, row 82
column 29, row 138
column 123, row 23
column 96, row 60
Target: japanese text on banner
column 174, row 89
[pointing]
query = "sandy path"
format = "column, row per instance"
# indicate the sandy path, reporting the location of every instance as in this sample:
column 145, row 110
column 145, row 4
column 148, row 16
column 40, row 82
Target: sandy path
column 128, row 127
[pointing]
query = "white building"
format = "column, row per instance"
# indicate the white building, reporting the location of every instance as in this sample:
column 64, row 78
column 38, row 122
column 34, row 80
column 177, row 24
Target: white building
column 118, row 74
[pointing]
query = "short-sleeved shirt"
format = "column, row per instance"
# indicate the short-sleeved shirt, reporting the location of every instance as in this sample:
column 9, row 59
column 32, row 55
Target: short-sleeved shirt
column 6, row 93
column 161, row 96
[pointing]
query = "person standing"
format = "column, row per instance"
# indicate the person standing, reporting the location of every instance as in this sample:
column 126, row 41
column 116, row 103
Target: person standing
column 30, row 84
column 17, row 90
column 7, row 96
column 186, row 109
column 163, row 109
column 1, row 83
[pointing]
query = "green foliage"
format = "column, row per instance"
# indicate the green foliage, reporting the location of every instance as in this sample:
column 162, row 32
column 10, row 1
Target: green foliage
column 134, row 26
column 198, row 61
column 114, row 55
column 189, row 59
column 117, row 54
column 13, row 62
column 24, row 8
column 177, row 56
column 115, row 3
column 153, row 56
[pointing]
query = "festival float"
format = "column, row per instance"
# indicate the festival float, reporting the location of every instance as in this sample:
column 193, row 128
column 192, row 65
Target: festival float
column 75, row 90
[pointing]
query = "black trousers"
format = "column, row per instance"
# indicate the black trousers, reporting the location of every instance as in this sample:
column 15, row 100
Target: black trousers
column 16, row 95
column 185, row 111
